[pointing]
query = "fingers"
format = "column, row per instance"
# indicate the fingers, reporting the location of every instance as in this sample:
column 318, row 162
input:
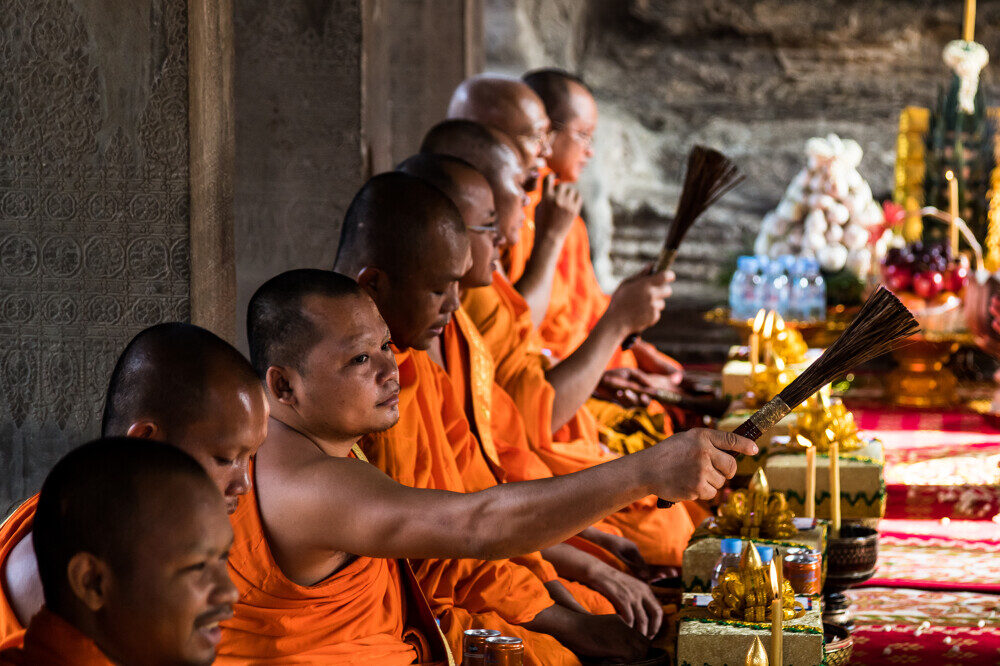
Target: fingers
column 728, row 441
column 654, row 611
column 641, row 618
column 724, row 462
column 548, row 185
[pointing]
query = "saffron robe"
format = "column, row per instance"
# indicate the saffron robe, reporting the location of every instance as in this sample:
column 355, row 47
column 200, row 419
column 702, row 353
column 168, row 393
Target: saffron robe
column 361, row 614
column 432, row 446
column 14, row 529
column 502, row 322
column 52, row 641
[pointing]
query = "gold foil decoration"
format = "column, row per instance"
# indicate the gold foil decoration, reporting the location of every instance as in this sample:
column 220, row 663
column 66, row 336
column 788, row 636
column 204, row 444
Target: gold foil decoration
column 762, row 385
column 822, row 420
column 755, row 513
column 745, row 592
column 757, row 655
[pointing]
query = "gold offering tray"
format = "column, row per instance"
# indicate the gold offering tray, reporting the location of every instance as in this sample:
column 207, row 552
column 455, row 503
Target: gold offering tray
column 816, row 334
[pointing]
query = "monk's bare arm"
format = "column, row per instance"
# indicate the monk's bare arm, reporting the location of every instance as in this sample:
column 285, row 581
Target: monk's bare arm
column 347, row 505
column 635, row 305
column 554, row 215
column 576, row 376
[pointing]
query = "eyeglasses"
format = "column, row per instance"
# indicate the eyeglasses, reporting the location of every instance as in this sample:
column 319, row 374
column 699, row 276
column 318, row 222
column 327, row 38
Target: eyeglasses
column 542, row 136
column 583, row 138
column 490, row 229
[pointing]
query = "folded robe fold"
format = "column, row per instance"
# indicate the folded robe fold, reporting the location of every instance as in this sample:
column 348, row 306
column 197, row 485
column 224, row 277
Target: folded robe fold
column 432, row 446
column 502, row 321
column 14, row 529
column 361, row 614
column 51, row 641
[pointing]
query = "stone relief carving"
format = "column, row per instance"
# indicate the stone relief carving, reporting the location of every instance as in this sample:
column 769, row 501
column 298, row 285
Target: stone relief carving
column 93, row 210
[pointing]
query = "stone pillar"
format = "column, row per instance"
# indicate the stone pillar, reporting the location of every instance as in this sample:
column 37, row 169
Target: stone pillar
column 329, row 92
column 95, row 232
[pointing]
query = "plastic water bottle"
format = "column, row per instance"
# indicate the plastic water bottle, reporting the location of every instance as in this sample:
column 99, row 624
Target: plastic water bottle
column 817, row 292
column 799, row 304
column 761, row 285
column 777, row 288
column 741, row 288
column 730, row 558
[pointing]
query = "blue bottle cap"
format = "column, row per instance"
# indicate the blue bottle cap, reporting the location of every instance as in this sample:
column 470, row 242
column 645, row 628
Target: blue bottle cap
column 732, row 546
column 766, row 553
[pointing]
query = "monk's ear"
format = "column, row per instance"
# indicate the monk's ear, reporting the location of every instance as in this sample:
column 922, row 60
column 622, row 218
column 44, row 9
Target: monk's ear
column 279, row 385
column 90, row 579
column 145, row 429
column 374, row 281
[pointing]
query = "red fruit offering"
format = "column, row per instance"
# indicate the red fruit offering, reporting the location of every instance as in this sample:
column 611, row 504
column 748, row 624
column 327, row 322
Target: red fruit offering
column 956, row 278
column 928, row 285
column 897, row 278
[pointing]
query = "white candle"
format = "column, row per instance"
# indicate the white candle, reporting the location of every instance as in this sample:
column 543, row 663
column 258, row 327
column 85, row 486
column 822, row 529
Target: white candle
column 776, row 612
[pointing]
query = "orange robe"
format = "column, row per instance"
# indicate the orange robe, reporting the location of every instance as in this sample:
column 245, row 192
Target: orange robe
column 577, row 300
column 432, row 446
column 502, row 318
column 52, row 641
column 15, row 528
column 361, row 614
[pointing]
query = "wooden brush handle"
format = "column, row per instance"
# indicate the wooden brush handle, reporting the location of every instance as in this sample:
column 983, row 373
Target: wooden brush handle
column 663, row 263
column 753, row 428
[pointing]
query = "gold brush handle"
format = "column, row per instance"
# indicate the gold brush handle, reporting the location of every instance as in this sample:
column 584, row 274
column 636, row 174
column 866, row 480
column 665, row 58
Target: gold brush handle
column 753, row 428
column 663, row 263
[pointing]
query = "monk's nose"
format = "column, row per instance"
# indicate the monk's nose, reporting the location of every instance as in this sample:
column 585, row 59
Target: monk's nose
column 224, row 592
column 240, row 483
column 388, row 371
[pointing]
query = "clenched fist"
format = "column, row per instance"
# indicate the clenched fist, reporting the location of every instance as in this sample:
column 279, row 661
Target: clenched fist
column 559, row 206
column 695, row 464
column 639, row 300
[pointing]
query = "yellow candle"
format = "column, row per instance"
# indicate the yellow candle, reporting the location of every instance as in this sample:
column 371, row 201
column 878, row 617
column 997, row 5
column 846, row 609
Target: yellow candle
column 810, row 494
column 834, row 488
column 953, row 203
column 969, row 27
column 776, row 612
column 758, row 323
column 766, row 333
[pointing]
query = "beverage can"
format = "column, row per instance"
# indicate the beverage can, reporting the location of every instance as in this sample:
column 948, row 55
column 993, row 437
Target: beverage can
column 504, row 651
column 803, row 570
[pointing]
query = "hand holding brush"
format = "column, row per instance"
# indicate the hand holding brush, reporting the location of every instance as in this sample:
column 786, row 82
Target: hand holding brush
column 881, row 325
column 710, row 174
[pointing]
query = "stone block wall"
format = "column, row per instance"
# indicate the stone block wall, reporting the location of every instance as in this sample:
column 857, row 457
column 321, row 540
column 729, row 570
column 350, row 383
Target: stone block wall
column 755, row 78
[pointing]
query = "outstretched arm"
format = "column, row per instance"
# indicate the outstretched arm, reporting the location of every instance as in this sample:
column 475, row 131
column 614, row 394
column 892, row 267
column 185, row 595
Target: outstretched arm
column 353, row 507
column 635, row 305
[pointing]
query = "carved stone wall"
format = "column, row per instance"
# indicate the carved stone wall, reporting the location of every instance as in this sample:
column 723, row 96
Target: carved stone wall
column 299, row 157
column 93, row 210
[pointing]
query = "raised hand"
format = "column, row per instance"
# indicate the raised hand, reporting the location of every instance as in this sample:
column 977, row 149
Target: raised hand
column 559, row 206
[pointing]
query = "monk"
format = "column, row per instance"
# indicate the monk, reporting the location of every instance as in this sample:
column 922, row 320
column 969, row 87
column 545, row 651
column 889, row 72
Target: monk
column 131, row 544
column 489, row 407
column 564, row 445
column 574, row 301
column 173, row 382
column 512, row 107
column 397, row 226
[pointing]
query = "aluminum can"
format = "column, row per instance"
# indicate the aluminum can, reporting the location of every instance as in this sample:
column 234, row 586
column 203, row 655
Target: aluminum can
column 803, row 570
column 474, row 646
column 504, row 651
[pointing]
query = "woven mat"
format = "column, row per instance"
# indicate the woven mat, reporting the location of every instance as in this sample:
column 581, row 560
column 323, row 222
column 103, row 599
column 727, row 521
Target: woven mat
column 934, row 562
column 900, row 626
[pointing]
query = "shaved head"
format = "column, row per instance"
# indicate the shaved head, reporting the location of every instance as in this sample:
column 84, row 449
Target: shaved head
column 497, row 101
column 485, row 148
column 441, row 171
column 391, row 223
column 497, row 157
column 513, row 108
column 183, row 384
column 405, row 243
column 556, row 87
column 165, row 373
